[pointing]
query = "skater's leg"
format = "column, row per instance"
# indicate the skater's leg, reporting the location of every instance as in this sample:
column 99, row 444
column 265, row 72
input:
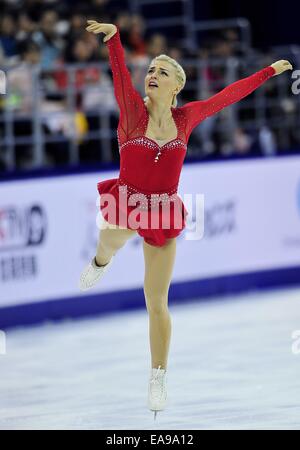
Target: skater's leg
column 110, row 241
column 159, row 262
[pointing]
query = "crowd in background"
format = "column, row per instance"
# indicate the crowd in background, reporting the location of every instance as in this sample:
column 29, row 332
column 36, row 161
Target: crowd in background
column 50, row 34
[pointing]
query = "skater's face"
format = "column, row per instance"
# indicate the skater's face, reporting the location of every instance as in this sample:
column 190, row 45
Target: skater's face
column 163, row 76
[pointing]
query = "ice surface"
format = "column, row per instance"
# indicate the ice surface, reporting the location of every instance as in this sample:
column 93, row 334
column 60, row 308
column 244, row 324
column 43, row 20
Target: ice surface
column 231, row 366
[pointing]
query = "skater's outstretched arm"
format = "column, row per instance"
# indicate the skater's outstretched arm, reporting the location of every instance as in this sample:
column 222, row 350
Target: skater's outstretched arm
column 199, row 110
column 128, row 98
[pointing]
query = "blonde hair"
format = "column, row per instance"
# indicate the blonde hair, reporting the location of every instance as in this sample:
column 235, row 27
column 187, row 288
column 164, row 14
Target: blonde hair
column 180, row 74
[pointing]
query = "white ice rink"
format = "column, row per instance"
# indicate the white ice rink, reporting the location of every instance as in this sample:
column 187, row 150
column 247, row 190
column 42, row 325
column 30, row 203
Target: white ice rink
column 231, row 366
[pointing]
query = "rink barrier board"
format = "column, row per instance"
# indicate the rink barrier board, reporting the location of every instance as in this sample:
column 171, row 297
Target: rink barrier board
column 116, row 302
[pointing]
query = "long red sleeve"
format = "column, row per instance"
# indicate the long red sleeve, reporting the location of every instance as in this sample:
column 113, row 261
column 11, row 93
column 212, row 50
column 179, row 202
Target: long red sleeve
column 199, row 110
column 128, row 98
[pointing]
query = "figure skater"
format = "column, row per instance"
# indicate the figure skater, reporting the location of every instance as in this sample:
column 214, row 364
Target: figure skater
column 153, row 135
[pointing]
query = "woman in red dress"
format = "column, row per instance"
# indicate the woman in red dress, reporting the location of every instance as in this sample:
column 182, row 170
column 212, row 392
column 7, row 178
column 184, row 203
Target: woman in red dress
column 153, row 135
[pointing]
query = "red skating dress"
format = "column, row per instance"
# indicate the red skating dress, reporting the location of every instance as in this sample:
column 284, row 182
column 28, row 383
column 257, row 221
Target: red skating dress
column 144, row 196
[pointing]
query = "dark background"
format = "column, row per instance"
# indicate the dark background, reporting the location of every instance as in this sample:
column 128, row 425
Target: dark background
column 273, row 22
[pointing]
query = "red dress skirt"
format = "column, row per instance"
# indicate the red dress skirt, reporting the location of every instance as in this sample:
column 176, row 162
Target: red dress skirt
column 156, row 216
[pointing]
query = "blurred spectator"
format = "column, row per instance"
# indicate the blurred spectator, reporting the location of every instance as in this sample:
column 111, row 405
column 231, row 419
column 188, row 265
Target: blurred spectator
column 22, row 93
column 231, row 36
column 33, row 8
column 216, row 54
column 136, row 41
column 123, row 22
column 139, row 65
column 77, row 25
column 241, row 142
column 82, row 51
column 100, row 10
column 26, row 27
column 8, row 41
column 2, row 58
column 48, row 39
column 267, row 141
column 157, row 44
column 138, row 57
column 20, row 79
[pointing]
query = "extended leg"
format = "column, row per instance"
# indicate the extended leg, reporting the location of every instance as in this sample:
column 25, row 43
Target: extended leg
column 110, row 241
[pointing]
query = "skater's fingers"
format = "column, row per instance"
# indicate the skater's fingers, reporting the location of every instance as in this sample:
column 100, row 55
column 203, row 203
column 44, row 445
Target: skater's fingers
column 94, row 28
column 287, row 65
column 93, row 31
column 95, row 25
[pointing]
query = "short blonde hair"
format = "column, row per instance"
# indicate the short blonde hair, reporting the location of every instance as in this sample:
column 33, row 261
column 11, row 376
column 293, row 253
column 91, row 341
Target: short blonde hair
column 180, row 74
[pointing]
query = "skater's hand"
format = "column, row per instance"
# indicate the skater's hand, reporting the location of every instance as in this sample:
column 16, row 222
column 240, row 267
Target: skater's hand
column 108, row 29
column 281, row 66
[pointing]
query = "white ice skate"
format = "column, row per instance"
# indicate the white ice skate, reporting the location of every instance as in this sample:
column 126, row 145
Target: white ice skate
column 91, row 274
column 157, row 391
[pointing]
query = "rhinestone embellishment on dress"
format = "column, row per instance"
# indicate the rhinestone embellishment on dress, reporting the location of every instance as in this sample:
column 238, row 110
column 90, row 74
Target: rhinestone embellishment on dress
column 148, row 143
column 147, row 201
